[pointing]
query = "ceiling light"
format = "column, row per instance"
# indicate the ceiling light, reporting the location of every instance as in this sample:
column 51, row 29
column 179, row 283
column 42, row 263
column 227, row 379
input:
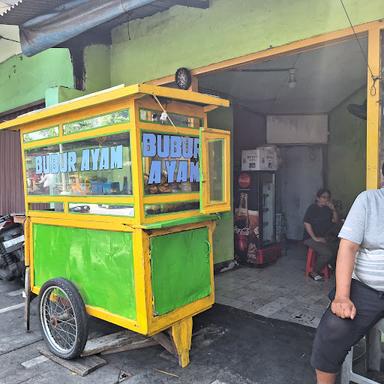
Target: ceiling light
column 292, row 78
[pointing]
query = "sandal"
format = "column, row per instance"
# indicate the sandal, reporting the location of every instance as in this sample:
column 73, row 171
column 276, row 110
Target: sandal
column 315, row 276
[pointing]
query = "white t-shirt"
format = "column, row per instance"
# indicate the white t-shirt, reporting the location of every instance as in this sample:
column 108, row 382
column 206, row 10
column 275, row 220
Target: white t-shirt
column 364, row 225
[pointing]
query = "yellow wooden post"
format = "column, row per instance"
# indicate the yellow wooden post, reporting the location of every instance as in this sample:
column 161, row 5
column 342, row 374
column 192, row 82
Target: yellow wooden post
column 181, row 333
column 137, row 165
column 373, row 110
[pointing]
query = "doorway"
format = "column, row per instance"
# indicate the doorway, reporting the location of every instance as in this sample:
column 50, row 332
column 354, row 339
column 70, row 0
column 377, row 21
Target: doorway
column 299, row 104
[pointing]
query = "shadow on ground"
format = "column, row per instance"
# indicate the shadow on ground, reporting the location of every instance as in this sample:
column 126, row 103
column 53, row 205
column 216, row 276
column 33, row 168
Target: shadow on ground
column 230, row 346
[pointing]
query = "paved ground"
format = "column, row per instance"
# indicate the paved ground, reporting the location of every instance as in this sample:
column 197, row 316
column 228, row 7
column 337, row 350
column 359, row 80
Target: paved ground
column 231, row 347
column 279, row 291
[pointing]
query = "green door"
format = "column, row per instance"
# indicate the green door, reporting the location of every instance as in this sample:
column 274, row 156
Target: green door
column 180, row 265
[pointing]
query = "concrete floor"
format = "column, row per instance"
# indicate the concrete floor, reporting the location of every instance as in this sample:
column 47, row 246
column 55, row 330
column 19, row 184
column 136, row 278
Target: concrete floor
column 230, row 346
column 278, row 291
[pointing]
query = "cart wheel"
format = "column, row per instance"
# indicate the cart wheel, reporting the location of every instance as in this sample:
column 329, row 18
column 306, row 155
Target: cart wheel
column 63, row 318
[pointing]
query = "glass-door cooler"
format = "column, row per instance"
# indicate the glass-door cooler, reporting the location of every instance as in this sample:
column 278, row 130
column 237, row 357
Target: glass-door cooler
column 255, row 218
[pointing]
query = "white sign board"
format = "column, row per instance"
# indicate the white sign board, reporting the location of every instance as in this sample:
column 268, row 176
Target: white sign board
column 297, row 129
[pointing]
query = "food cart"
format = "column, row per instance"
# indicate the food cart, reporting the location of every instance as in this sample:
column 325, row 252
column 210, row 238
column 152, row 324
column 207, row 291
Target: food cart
column 122, row 191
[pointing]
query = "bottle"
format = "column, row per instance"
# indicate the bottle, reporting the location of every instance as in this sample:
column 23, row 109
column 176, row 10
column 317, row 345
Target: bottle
column 242, row 219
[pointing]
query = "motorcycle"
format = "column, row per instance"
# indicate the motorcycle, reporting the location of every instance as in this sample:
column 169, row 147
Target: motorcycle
column 11, row 249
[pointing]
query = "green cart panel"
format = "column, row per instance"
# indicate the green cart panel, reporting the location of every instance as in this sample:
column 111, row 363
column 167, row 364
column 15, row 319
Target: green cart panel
column 180, row 269
column 99, row 263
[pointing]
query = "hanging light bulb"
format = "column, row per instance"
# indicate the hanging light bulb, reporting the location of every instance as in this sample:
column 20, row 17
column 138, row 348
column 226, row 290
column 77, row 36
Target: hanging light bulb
column 292, row 78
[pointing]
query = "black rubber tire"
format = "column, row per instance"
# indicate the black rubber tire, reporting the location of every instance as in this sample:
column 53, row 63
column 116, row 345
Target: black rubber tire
column 80, row 315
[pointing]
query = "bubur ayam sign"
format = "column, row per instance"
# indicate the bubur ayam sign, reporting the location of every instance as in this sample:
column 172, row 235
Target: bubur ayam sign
column 177, row 155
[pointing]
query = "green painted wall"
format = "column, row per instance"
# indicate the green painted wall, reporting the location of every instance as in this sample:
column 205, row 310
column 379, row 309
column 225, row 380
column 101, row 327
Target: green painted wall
column 24, row 80
column 346, row 152
column 57, row 95
column 97, row 76
column 97, row 68
column 156, row 46
column 223, row 246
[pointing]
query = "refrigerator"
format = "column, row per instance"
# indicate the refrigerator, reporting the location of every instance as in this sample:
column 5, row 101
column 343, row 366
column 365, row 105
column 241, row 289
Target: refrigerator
column 255, row 218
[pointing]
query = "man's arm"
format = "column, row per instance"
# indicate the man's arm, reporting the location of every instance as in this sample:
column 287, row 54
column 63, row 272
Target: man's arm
column 342, row 306
column 335, row 216
column 309, row 229
column 352, row 235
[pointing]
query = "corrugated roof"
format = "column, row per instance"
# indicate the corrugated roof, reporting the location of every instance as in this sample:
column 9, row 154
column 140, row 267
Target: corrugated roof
column 25, row 10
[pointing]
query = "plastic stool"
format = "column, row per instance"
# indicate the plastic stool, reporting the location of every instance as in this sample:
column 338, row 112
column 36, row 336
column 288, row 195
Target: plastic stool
column 373, row 357
column 311, row 262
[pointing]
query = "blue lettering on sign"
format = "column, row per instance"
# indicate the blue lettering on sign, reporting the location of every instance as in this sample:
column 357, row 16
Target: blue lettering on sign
column 95, row 159
column 149, row 144
column 63, row 163
column 85, row 161
column 55, row 163
column 194, row 173
column 104, row 158
column 155, row 172
column 117, row 157
column 163, row 145
column 182, row 172
column 39, row 165
column 46, row 165
column 170, row 167
column 175, row 150
column 71, row 161
column 181, row 152
column 187, row 147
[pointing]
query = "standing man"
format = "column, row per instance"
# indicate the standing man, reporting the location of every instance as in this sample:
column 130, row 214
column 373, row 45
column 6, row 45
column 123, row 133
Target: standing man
column 358, row 302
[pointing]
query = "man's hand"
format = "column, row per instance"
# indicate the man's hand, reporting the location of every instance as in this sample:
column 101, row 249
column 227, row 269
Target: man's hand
column 343, row 308
column 320, row 239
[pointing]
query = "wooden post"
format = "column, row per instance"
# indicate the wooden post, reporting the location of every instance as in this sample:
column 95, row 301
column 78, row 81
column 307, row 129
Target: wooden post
column 373, row 110
column 27, row 300
column 181, row 333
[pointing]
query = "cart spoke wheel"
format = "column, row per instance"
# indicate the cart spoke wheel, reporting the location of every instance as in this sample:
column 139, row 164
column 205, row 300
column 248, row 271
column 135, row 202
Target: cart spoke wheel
column 63, row 318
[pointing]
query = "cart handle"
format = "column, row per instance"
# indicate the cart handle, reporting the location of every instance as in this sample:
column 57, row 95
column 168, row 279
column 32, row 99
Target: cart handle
column 209, row 247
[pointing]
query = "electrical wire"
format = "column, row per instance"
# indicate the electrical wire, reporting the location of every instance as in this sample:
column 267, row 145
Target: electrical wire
column 284, row 84
column 8, row 39
column 164, row 111
column 374, row 78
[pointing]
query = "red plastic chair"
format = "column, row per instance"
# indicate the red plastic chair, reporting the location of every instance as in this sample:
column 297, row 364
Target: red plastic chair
column 311, row 262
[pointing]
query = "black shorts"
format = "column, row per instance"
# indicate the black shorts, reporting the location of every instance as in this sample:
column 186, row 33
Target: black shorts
column 335, row 336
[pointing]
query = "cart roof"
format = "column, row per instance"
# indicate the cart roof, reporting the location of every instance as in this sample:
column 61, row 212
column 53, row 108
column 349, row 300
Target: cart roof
column 116, row 93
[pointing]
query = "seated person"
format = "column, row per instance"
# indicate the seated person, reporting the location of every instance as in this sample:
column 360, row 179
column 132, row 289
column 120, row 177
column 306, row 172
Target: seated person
column 320, row 222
